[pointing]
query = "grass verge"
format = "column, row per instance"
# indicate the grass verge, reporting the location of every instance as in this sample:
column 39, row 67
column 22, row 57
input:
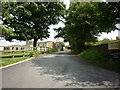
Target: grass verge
column 99, row 59
column 6, row 60
column 11, row 61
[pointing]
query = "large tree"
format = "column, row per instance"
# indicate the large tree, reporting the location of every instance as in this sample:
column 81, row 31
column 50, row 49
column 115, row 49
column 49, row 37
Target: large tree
column 84, row 21
column 78, row 28
column 107, row 16
column 6, row 31
column 31, row 20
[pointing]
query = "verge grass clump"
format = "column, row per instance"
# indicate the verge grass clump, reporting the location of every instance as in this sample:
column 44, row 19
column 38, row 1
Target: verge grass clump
column 11, row 61
column 100, row 59
column 92, row 55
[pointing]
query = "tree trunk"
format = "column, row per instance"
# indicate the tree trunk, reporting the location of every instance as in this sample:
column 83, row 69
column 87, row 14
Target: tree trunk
column 35, row 42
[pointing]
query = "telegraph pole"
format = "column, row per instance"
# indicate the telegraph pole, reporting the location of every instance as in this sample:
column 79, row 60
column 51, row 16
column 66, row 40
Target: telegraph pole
column 118, row 26
column 54, row 36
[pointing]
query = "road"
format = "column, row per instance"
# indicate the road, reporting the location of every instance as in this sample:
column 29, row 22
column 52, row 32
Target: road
column 58, row 70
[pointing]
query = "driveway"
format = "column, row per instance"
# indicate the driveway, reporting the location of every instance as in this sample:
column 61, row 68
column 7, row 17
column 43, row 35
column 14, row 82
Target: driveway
column 58, row 70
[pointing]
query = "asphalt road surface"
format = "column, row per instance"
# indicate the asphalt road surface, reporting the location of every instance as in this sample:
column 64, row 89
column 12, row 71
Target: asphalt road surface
column 58, row 70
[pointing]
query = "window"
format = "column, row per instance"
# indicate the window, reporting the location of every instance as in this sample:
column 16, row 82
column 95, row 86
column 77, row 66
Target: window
column 6, row 48
column 16, row 48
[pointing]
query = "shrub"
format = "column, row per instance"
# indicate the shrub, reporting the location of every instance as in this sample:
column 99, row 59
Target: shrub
column 31, row 54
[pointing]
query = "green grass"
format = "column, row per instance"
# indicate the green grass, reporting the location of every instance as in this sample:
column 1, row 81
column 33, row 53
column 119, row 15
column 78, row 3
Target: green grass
column 92, row 55
column 9, row 52
column 11, row 61
column 99, row 59
column 10, row 56
column 6, row 60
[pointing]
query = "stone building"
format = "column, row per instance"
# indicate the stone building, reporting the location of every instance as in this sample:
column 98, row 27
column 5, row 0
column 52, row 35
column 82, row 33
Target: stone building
column 46, row 44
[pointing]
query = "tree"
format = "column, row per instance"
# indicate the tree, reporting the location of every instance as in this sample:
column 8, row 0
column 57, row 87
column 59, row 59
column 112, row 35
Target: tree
column 62, row 43
column 107, row 16
column 30, row 20
column 7, row 32
column 104, row 41
column 84, row 21
column 78, row 28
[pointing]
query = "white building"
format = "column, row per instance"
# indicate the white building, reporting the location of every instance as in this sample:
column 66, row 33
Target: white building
column 41, row 46
column 13, row 47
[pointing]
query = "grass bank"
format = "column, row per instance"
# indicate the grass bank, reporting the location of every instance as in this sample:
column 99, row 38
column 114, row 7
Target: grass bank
column 101, row 60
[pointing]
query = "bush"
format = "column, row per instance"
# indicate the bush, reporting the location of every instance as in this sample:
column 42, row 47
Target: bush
column 47, row 51
column 35, row 53
column 42, row 52
column 53, row 50
column 31, row 54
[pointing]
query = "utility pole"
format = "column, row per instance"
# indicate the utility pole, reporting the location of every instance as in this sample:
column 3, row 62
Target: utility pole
column 54, row 36
column 118, row 26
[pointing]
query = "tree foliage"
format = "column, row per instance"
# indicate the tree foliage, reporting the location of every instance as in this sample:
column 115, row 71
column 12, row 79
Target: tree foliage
column 7, row 32
column 84, row 21
column 104, row 41
column 62, row 43
column 30, row 20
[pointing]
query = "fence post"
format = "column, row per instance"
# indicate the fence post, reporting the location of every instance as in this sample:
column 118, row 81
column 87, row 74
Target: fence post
column 13, row 55
column 31, row 49
column 24, row 52
column 40, row 48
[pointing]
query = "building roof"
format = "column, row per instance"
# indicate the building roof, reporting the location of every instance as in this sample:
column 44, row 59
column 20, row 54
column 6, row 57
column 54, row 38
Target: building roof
column 40, row 41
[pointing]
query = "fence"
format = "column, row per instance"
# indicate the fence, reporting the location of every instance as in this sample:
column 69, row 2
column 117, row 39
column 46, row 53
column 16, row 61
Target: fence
column 111, row 50
column 102, row 48
column 18, row 51
column 114, row 49
column 114, row 45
